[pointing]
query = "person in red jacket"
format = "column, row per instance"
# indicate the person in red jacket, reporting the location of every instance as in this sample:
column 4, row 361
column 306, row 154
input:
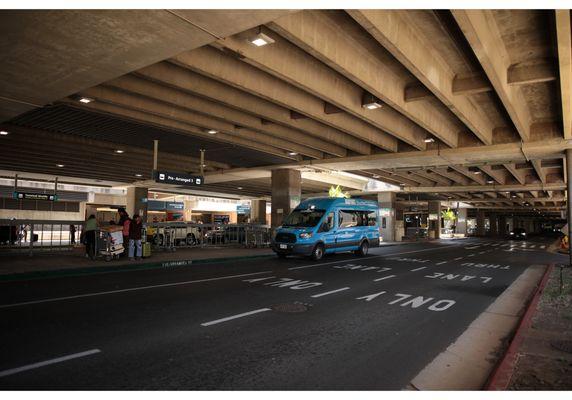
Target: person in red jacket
column 135, row 232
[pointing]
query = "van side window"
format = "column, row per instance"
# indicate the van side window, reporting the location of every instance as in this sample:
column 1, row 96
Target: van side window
column 349, row 218
column 371, row 218
column 330, row 221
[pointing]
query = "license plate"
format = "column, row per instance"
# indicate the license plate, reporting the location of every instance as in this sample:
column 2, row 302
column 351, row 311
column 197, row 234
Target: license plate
column 283, row 246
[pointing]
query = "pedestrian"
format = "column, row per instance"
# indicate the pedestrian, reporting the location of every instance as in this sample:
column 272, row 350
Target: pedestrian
column 72, row 234
column 90, row 232
column 135, row 233
column 124, row 222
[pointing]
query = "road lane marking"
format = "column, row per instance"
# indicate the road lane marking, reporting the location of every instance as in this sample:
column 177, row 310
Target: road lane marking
column 384, row 277
column 471, row 255
column 543, row 247
column 482, row 252
column 369, row 258
column 79, row 296
column 533, row 246
column 418, row 269
column 458, row 258
column 246, row 314
column 330, row 292
column 13, row 371
column 441, row 263
column 473, row 247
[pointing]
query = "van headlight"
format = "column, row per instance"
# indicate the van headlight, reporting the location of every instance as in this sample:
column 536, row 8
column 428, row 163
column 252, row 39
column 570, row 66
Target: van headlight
column 305, row 235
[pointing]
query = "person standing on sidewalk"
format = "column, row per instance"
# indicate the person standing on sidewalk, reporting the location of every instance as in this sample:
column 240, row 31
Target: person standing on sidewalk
column 72, row 234
column 90, row 231
column 124, row 222
column 135, row 232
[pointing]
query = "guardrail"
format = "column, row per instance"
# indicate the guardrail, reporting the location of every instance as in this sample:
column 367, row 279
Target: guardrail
column 17, row 235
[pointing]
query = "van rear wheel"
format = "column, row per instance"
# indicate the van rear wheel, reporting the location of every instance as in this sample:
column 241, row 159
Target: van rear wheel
column 363, row 249
column 318, row 252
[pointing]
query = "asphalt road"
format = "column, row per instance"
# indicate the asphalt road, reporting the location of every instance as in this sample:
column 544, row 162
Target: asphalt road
column 361, row 323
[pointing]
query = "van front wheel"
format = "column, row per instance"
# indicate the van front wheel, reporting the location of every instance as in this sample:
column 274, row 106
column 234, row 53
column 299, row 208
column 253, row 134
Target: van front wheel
column 318, row 252
column 363, row 249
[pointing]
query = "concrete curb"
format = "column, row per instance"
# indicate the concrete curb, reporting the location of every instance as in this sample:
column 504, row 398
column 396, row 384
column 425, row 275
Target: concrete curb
column 66, row 272
column 467, row 363
column 501, row 376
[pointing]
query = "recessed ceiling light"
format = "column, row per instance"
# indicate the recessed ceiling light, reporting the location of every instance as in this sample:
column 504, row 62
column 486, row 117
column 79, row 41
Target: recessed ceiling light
column 370, row 102
column 429, row 140
column 138, row 175
column 4, row 133
column 490, row 181
column 85, row 100
column 477, row 172
column 60, row 165
column 212, row 131
column 120, row 151
column 292, row 153
column 261, row 39
column 239, row 187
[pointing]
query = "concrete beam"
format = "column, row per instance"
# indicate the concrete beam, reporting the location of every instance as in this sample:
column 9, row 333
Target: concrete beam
column 488, row 188
column 483, row 34
column 345, row 52
column 518, row 174
column 177, row 98
column 218, row 65
column 536, row 71
column 93, row 46
column 464, row 156
column 472, row 84
column 564, row 39
column 537, row 165
column 414, row 50
column 185, row 128
column 183, row 79
column 417, row 92
column 163, row 110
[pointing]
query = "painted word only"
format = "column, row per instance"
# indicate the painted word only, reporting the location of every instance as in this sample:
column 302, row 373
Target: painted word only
column 294, row 284
column 409, row 300
column 405, row 259
column 462, row 278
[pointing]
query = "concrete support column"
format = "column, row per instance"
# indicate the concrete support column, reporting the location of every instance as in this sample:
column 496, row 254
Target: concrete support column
column 434, row 228
column 137, row 202
column 502, row 226
column 286, row 193
column 481, row 223
column 493, row 222
column 461, row 222
column 388, row 210
column 399, row 223
column 258, row 211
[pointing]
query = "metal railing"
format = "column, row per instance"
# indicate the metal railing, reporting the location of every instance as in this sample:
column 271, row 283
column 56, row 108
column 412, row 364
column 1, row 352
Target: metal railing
column 39, row 235
column 43, row 236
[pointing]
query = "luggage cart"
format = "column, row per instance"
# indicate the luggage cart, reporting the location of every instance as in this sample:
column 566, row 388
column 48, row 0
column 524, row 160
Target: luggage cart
column 109, row 244
column 169, row 239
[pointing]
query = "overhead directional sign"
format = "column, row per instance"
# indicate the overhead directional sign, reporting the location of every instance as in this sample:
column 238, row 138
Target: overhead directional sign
column 35, row 196
column 177, row 178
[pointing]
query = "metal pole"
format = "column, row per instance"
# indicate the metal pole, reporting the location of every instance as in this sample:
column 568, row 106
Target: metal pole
column 155, row 154
column 202, row 162
column 569, row 194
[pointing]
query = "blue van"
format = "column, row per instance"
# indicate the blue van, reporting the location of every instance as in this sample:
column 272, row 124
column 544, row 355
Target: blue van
column 324, row 225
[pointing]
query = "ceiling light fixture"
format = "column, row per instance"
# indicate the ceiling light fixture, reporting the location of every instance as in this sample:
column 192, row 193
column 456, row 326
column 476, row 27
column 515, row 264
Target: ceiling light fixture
column 4, row 133
column 292, row 153
column 85, row 100
column 212, row 131
column 239, row 187
column 120, row 151
column 60, row 165
column 370, row 102
column 138, row 175
column 490, row 181
column 429, row 140
column 261, row 39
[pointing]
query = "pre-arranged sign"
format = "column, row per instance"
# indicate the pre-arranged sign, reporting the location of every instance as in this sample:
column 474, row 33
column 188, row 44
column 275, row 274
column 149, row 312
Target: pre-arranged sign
column 177, row 178
column 35, row 196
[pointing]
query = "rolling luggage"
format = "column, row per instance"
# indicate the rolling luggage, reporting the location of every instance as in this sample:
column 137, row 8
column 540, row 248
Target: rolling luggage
column 146, row 249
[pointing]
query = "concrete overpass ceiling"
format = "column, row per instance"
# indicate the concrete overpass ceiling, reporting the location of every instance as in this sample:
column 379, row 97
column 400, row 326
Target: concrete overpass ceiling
column 473, row 102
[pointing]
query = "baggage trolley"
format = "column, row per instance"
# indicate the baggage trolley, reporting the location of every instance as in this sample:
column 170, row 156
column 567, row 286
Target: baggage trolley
column 110, row 244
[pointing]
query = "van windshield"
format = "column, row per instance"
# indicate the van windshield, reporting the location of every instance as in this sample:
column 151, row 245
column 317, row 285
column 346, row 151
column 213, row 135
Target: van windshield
column 304, row 218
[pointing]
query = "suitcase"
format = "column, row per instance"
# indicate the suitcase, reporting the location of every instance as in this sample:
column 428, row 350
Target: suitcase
column 146, row 249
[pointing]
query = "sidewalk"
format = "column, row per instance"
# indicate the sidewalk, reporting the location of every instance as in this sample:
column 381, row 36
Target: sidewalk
column 543, row 356
column 18, row 266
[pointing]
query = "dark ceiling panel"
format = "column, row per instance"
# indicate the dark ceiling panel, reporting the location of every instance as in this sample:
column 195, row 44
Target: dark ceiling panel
column 65, row 119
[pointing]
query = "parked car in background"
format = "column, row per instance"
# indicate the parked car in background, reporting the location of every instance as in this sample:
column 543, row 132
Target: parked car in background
column 182, row 233
column 226, row 234
column 518, row 234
